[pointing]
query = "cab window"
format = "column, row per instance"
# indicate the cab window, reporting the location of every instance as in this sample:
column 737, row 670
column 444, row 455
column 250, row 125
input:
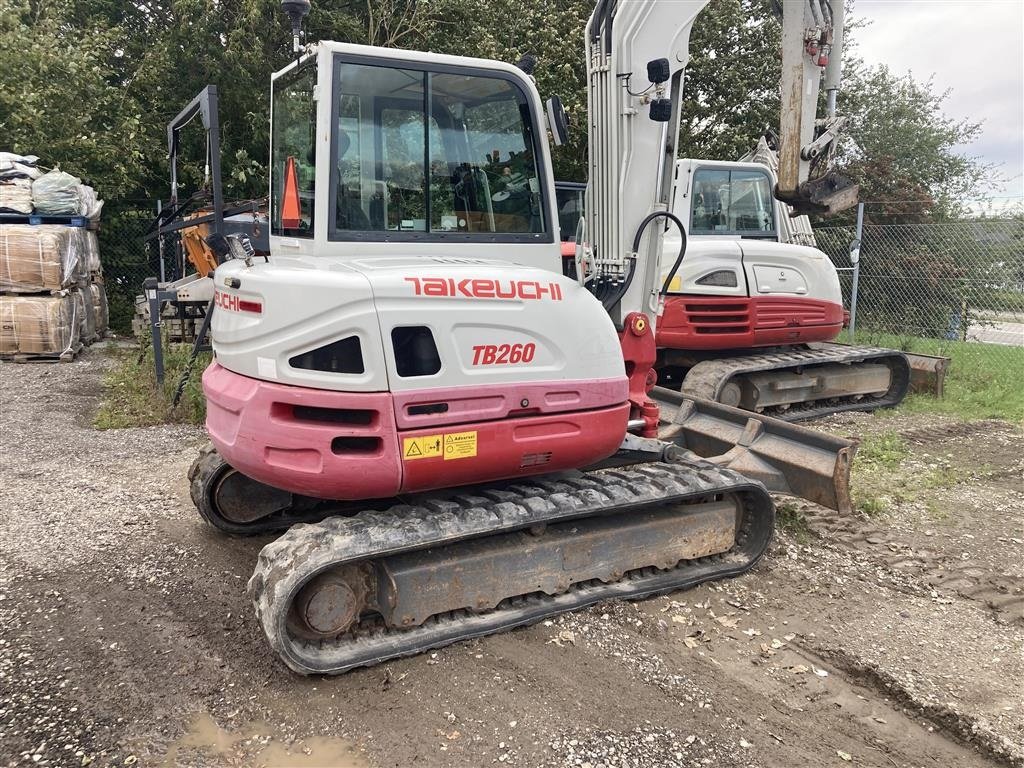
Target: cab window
column 732, row 202
column 293, row 151
column 431, row 154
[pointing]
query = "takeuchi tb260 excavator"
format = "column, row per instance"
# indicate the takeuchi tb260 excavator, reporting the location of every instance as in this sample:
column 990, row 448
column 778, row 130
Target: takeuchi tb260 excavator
column 473, row 440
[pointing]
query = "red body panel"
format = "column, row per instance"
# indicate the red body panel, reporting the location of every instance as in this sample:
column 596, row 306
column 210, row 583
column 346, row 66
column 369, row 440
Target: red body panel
column 736, row 322
column 348, row 445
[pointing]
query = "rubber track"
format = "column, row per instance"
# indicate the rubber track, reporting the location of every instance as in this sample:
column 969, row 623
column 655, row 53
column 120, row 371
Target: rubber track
column 707, row 379
column 286, row 564
column 205, row 473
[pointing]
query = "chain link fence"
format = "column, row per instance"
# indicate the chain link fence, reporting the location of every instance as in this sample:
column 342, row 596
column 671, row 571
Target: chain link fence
column 126, row 256
column 922, row 286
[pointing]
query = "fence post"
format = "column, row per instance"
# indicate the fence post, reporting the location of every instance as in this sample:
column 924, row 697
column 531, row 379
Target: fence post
column 855, row 258
column 160, row 243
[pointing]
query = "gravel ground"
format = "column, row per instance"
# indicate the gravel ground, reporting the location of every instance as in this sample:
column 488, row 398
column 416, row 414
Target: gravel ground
column 126, row 637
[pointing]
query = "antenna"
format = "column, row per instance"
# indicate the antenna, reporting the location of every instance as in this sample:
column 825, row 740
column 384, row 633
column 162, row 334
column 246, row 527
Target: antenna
column 297, row 10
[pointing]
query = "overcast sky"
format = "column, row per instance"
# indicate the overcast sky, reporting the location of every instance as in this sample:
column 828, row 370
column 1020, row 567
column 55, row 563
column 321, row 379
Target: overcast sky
column 973, row 47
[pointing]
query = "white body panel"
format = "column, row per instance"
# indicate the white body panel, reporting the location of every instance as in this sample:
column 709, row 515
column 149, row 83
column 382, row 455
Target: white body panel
column 789, row 270
column 763, row 266
column 310, row 302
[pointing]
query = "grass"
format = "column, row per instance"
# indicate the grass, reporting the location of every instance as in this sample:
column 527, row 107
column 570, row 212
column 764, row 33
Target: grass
column 876, row 483
column 984, row 381
column 790, row 519
column 885, row 450
column 880, row 478
column 132, row 397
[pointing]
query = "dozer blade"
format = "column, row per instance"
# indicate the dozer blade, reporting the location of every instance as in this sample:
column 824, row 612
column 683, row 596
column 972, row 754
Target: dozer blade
column 928, row 374
column 785, row 457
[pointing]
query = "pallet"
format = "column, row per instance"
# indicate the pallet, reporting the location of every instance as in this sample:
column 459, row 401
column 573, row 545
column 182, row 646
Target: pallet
column 36, row 219
column 68, row 356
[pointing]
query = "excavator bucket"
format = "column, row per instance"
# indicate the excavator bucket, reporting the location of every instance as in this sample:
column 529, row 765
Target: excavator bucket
column 824, row 196
column 787, row 458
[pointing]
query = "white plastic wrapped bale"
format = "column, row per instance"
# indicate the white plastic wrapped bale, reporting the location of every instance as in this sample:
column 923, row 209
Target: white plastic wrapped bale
column 91, row 260
column 38, row 325
column 57, row 194
column 14, row 166
column 91, row 205
column 85, row 314
column 16, row 195
column 39, row 258
column 100, row 308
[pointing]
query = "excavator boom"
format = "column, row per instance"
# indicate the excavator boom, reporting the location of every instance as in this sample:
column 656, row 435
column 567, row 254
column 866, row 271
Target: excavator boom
column 812, row 43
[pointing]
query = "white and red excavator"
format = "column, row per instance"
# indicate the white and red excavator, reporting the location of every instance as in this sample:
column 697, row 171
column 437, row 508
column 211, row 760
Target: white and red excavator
column 472, row 439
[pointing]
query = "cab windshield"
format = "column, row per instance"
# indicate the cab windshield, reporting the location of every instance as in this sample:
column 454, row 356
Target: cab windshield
column 732, row 202
column 429, row 154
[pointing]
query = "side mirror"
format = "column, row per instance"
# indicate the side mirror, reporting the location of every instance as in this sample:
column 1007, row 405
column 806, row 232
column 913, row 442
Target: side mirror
column 558, row 121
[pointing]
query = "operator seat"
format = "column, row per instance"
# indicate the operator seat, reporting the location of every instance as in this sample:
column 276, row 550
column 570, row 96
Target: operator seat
column 349, row 212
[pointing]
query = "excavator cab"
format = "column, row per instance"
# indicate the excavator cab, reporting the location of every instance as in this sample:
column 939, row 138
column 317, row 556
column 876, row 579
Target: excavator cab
column 418, row 151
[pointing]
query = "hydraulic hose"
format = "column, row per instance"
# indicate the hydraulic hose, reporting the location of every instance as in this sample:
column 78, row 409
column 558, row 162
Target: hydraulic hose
column 616, row 297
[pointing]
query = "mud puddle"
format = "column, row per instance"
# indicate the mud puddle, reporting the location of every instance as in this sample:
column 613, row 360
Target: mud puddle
column 255, row 744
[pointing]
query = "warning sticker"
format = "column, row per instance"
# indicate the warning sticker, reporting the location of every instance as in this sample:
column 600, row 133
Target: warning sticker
column 425, row 447
column 459, row 445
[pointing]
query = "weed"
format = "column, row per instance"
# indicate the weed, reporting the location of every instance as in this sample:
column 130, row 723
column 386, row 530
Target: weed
column 132, row 398
column 885, row 450
column 791, row 519
column 872, row 506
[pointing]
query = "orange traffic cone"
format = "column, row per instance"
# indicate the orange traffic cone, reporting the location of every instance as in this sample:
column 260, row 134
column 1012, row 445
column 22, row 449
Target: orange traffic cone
column 290, row 212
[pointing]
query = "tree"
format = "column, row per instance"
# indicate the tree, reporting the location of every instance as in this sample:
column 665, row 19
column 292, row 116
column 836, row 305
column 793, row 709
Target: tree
column 731, row 89
column 901, row 148
column 59, row 97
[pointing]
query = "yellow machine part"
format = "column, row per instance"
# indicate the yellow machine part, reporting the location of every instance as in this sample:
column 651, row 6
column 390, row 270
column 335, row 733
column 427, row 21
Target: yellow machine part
column 193, row 240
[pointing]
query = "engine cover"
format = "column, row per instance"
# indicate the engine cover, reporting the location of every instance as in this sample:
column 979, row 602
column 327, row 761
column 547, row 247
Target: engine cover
column 363, row 379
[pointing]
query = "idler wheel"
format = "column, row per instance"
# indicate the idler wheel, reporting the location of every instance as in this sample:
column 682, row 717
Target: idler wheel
column 330, row 603
column 240, row 499
column 731, row 394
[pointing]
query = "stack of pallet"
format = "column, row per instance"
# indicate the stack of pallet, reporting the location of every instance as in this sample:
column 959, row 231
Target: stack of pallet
column 52, row 299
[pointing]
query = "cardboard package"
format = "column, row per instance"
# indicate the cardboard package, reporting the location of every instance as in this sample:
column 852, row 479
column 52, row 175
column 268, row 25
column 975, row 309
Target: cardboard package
column 100, row 308
column 38, row 325
column 40, row 258
column 85, row 314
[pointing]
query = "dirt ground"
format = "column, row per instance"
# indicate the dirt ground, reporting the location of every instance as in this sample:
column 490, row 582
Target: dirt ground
column 126, row 637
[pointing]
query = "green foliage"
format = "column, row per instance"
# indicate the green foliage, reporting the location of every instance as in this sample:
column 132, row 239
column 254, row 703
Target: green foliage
column 791, row 519
column 731, row 91
column 902, row 149
column 886, row 450
column 60, row 96
column 132, row 397
column 91, row 84
column 875, row 482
